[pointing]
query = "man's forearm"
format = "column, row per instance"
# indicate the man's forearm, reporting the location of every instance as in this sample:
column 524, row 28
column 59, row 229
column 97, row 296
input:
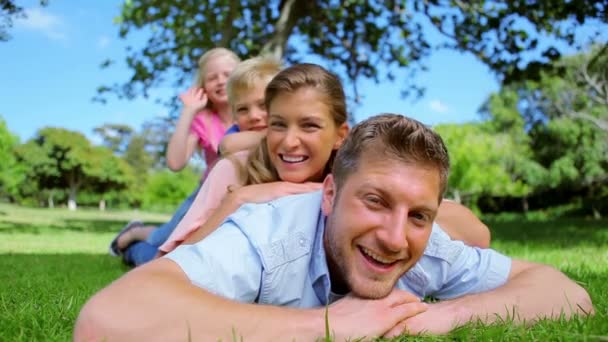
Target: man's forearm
column 538, row 291
column 146, row 304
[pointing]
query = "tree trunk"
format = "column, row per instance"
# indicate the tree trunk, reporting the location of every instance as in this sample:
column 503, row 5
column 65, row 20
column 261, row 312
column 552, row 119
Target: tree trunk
column 72, row 198
column 457, row 198
column 291, row 11
column 524, row 204
column 51, row 203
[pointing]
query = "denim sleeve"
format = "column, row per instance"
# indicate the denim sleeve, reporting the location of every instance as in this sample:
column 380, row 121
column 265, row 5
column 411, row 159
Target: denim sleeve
column 223, row 263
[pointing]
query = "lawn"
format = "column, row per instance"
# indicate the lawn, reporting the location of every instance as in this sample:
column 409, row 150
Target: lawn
column 51, row 261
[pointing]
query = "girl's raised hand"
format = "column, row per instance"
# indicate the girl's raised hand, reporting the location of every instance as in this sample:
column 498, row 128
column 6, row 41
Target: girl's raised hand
column 258, row 193
column 194, row 99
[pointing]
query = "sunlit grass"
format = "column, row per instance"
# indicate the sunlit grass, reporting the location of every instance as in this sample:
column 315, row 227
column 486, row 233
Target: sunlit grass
column 51, row 261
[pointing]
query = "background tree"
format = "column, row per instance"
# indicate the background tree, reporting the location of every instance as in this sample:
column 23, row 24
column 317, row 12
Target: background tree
column 108, row 174
column 369, row 39
column 11, row 173
column 61, row 159
column 9, row 10
column 116, row 137
column 558, row 119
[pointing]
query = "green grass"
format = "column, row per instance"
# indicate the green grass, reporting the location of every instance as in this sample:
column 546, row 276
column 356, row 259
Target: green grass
column 51, row 261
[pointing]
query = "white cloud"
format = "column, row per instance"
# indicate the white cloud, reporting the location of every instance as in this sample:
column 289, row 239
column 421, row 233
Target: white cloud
column 103, row 42
column 50, row 25
column 438, row 107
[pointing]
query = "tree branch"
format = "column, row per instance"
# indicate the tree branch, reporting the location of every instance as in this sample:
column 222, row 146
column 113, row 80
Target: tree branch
column 291, row 11
column 227, row 27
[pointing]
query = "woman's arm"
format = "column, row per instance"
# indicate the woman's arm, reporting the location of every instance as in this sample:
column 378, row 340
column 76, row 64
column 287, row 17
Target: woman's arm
column 210, row 195
column 256, row 193
column 461, row 224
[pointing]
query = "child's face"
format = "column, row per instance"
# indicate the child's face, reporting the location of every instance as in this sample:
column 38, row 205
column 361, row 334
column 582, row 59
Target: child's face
column 249, row 109
column 302, row 135
column 217, row 71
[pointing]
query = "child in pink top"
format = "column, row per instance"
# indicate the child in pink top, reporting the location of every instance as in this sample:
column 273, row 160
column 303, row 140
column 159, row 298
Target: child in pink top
column 205, row 116
column 206, row 113
column 246, row 93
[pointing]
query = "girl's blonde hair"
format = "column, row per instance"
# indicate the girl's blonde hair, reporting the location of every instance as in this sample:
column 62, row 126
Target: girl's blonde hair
column 204, row 60
column 259, row 168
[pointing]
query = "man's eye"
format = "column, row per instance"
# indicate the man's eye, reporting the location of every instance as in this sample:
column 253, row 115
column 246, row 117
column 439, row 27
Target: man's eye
column 373, row 200
column 420, row 217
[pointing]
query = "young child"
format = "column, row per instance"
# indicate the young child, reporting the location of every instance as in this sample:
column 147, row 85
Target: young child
column 246, row 88
column 246, row 93
column 205, row 116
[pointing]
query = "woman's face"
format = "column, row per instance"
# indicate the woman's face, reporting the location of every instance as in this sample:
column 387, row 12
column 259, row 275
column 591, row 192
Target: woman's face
column 302, row 135
column 217, row 71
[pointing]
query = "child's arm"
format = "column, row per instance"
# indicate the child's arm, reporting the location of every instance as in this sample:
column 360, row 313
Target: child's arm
column 240, row 141
column 461, row 224
column 183, row 142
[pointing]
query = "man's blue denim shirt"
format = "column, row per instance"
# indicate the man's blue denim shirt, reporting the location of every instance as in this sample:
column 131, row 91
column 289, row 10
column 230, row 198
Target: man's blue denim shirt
column 272, row 253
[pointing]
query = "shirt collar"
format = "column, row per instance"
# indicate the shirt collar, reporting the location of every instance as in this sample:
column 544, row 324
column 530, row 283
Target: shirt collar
column 319, row 272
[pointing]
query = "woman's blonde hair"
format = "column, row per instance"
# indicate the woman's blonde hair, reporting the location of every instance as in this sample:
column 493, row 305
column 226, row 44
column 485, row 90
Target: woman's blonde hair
column 259, row 168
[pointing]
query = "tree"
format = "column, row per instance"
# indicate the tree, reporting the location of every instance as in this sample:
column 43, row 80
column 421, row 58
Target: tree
column 558, row 118
column 61, row 159
column 9, row 10
column 108, row 173
column 116, row 137
column 482, row 163
column 11, row 173
column 369, row 39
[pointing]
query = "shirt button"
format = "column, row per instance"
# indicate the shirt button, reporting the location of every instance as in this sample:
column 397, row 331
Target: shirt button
column 302, row 242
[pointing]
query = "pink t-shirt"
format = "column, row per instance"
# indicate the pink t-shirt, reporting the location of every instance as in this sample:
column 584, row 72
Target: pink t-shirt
column 209, row 129
column 209, row 197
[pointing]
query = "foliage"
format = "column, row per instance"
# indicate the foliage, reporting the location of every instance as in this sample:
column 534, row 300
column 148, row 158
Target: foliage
column 11, row 174
column 65, row 255
column 369, row 39
column 483, row 163
column 557, row 122
column 61, row 159
column 165, row 190
column 9, row 10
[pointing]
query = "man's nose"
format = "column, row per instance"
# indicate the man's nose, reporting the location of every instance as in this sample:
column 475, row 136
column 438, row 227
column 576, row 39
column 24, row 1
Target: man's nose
column 393, row 234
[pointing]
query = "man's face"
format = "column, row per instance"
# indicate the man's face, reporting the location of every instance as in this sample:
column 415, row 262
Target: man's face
column 379, row 224
column 249, row 109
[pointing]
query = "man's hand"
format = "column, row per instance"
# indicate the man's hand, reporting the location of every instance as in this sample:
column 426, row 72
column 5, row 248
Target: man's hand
column 439, row 319
column 353, row 317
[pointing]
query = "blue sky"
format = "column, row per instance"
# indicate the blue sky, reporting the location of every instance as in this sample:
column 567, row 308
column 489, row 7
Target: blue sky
column 49, row 71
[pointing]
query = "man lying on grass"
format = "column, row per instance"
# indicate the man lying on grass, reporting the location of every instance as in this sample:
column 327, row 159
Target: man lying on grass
column 363, row 251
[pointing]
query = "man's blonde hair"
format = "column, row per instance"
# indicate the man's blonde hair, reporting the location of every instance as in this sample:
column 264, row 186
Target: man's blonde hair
column 251, row 73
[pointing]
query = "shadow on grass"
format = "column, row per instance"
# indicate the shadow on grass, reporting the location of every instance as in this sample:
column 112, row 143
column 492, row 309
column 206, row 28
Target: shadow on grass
column 562, row 232
column 74, row 225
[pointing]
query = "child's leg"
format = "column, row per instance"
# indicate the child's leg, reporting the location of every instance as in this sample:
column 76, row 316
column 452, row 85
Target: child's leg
column 162, row 233
column 139, row 253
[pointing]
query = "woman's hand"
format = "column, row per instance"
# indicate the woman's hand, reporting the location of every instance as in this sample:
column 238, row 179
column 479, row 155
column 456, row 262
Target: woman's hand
column 194, row 99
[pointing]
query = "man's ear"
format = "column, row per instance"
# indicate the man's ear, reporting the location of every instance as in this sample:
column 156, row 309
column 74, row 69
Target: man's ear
column 329, row 195
column 342, row 133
